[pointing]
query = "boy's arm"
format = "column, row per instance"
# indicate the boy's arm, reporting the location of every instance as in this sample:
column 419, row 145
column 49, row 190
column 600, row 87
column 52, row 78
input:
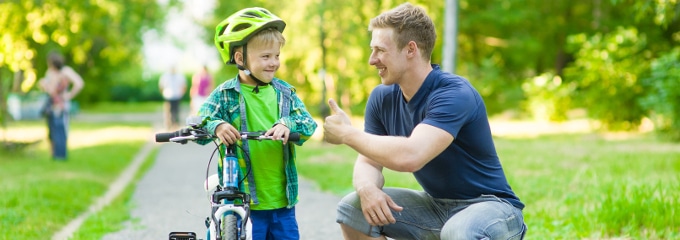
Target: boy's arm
column 299, row 120
column 210, row 109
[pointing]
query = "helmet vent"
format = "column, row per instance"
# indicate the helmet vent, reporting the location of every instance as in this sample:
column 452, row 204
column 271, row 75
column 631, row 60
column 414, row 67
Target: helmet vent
column 250, row 15
column 241, row 27
column 235, row 30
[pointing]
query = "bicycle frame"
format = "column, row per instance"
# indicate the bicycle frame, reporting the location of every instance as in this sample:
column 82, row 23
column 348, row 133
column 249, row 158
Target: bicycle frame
column 229, row 200
column 229, row 204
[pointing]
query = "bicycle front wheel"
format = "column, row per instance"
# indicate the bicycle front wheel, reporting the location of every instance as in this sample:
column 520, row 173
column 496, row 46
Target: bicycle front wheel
column 230, row 227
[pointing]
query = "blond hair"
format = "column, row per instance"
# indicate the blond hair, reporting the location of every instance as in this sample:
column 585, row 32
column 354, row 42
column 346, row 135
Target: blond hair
column 266, row 37
column 410, row 23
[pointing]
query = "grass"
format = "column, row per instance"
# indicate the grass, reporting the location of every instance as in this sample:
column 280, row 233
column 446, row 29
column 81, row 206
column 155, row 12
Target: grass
column 330, row 166
column 39, row 195
column 575, row 186
column 111, row 218
column 132, row 107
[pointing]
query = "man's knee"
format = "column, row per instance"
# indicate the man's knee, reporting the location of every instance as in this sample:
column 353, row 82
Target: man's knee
column 351, row 219
column 347, row 207
column 485, row 220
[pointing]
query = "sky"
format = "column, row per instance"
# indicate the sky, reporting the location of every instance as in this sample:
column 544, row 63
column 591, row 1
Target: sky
column 181, row 44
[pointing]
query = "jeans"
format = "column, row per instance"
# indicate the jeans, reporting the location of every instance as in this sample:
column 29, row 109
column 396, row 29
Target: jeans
column 57, row 127
column 172, row 112
column 425, row 217
column 276, row 224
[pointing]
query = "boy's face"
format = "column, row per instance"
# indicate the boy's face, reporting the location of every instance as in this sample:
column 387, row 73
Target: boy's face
column 263, row 60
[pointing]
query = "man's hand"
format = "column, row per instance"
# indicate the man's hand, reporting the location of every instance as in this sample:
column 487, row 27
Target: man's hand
column 279, row 132
column 377, row 205
column 337, row 125
column 227, row 133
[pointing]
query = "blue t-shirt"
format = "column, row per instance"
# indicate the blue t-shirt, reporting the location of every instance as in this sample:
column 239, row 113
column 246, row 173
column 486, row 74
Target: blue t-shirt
column 466, row 169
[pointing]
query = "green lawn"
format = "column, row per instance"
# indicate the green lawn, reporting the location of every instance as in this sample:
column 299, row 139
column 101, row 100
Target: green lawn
column 574, row 186
column 133, row 107
column 39, row 195
column 112, row 217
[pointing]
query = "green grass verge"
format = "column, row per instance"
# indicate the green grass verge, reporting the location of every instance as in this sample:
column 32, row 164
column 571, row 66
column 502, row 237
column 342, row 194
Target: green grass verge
column 574, row 186
column 39, row 195
column 331, row 166
column 133, row 107
column 112, row 217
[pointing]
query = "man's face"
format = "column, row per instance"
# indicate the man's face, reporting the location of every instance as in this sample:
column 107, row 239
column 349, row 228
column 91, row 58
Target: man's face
column 386, row 57
column 263, row 61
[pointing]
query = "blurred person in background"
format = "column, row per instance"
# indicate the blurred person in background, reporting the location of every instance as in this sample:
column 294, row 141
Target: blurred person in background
column 173, row 86
column 201, row 86
column 62, row 84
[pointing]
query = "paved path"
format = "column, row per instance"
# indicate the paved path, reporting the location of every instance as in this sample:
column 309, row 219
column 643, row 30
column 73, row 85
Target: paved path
column 170, row 197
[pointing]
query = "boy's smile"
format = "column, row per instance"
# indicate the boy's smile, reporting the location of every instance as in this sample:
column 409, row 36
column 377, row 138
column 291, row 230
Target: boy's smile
column 263, row 62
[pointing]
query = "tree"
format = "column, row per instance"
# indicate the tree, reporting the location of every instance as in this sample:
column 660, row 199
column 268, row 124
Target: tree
column 100, row 39
column 501, row 47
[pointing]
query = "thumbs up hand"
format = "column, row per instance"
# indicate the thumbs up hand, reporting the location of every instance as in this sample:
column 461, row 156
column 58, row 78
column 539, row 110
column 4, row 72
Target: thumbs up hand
column 337, row 125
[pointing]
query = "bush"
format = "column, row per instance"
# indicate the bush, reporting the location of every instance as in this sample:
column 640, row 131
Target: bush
column 607, row 74
column 663, row 99
column 142, row 90
column 548, row 97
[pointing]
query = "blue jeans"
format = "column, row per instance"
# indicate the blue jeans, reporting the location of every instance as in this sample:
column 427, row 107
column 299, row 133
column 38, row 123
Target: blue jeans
column 57, row 128
column 276, row 224
column 172, row 112
column 425, row 217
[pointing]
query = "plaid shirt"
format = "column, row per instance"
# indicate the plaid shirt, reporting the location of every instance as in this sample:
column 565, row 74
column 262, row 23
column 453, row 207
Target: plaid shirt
column 224, row 105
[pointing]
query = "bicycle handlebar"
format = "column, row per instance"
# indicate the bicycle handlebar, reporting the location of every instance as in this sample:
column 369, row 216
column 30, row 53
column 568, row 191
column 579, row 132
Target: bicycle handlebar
column 189, row 134
column 165, row 137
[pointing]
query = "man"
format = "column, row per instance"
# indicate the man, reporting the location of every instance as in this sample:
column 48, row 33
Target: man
column 172, row 85
column 433, row 124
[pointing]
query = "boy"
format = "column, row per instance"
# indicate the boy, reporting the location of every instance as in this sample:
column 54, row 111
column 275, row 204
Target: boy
column 255, row 100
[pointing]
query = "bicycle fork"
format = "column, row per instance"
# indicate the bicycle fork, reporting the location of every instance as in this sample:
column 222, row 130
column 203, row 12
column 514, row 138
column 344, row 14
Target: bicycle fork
column 230, row 200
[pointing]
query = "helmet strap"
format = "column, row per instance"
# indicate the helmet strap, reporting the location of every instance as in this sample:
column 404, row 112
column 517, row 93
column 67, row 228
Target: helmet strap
column 243, row 68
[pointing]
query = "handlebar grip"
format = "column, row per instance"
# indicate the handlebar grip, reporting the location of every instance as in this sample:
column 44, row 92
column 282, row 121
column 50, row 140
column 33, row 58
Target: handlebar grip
column 165, row 137
column 294, row 137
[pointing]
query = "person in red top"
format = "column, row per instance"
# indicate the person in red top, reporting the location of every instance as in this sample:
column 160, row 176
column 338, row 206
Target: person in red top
column 56, row 83
column 201, row 86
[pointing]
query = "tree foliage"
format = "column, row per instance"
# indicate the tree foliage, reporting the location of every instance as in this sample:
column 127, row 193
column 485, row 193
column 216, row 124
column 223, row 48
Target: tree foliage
column 520, row 54
column 607, row 67
column 663, row 96
column 101, row 39
column 523, row 54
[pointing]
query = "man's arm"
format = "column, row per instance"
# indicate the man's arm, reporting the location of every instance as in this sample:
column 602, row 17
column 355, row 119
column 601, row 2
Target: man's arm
column 75, row 79
column 367, row 174
column 368, row 181
column 406, row 154
column 184, row 84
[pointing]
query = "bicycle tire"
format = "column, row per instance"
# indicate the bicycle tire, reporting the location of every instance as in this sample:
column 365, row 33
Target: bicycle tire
column 230, row 227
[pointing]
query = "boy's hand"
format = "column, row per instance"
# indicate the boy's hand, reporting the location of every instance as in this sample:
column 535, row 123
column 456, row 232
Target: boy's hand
column 227, row 133
column 279, row 132
column 337, row 124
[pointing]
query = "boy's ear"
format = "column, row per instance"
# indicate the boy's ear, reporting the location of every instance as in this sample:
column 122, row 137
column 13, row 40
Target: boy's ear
column 238, row 58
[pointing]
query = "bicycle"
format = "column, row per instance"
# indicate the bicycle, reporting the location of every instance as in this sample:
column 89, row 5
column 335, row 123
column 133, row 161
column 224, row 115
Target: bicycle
column 230, row 207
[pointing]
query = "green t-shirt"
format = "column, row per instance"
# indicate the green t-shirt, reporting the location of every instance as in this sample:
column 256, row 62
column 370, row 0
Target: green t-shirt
column 266, row 157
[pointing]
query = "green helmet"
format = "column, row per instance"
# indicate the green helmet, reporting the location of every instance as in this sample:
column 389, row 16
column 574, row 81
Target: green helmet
column 236, row 30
